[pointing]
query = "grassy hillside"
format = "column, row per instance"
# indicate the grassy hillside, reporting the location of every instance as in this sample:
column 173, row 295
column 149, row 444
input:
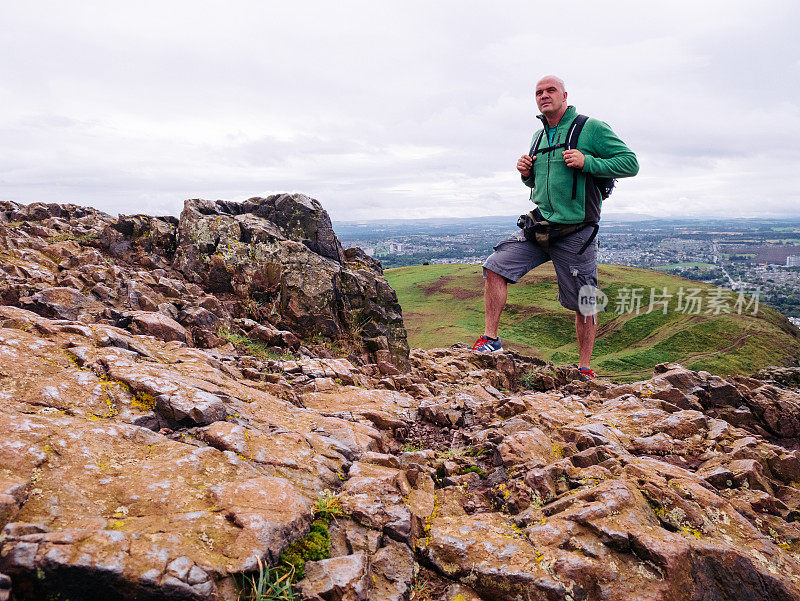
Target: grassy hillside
column 443, row 304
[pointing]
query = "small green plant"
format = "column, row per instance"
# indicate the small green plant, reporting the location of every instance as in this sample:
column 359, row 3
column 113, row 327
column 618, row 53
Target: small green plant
column 268, row 585
column 84, row 239
column 421, row 589
column 473, row 468
column 315, row 338
column 250, row 346
column 468, row 451
column 314, row 546
column 328, row 507
column 528, row 379
column 411, row 447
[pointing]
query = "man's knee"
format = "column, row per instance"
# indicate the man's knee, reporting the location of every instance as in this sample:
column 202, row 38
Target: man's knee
column 494, row 278
column 491, row 275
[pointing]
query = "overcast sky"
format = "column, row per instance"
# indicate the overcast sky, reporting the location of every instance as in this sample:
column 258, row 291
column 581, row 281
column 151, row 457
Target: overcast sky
column 393, row 109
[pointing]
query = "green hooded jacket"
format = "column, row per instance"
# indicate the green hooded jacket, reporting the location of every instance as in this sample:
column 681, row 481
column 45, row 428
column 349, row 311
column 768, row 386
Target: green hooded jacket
column 552, row 181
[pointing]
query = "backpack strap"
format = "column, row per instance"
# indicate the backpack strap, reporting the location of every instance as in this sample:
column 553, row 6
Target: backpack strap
column 573, row 133
column 536, row 144
column 533, row 151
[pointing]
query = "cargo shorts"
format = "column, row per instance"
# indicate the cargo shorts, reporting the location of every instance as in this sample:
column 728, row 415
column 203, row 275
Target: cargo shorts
column 515, row 257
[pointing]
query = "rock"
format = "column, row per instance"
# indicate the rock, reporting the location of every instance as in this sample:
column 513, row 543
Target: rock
column 488, row 555
column 749, row 473
column 135, row 513
column 393, row 570
column 336, row 579
column 5, row 587
column 529, row 446
column 61, row 303
column 281, row 252
column 158, row 325
column 783, row 376
column 136, row 466
column 348, row 537
column 682, row 424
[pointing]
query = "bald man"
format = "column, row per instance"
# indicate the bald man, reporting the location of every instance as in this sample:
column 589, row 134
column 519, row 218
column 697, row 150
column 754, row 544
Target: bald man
column 566, row 182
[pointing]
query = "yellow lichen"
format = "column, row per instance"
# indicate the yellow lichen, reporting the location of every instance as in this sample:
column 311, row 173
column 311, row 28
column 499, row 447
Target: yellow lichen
column 693, row 531
column 144, row 400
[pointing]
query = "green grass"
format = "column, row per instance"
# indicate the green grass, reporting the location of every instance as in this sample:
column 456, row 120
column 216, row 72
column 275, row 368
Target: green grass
column 443, row 304
column 84, row 239
column 251, row 346
column 268, row 584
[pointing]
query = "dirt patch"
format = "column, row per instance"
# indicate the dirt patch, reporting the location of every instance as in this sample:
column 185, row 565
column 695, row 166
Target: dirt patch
column 465, row 293
column 435, row 287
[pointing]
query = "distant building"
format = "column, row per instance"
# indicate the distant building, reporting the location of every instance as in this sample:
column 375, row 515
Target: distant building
column 793, row 261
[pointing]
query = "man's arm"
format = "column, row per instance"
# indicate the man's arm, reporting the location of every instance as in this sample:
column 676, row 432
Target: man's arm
column 605, row 154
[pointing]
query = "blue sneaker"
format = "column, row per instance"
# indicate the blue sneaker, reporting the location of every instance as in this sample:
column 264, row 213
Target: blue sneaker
column 484, row 344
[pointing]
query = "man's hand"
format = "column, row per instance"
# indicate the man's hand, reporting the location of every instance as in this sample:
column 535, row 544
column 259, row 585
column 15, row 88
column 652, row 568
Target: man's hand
column 574, row 158
column 524, row 165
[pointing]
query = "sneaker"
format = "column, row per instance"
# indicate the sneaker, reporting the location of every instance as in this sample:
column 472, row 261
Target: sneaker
column 587, row 372
column 484, row 344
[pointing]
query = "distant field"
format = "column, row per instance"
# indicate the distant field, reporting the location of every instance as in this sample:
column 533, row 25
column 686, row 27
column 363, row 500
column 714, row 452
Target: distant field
column 443, row 304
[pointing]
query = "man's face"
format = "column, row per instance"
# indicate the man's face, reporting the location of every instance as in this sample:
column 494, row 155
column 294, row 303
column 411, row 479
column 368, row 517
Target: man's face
column 550, row 96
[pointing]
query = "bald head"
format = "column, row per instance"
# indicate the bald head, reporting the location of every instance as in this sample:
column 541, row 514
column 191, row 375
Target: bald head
column 551, row 98
column 552, row 79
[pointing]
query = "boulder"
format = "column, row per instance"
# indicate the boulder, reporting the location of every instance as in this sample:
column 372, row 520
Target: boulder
column 337, row 579
column 281, row 252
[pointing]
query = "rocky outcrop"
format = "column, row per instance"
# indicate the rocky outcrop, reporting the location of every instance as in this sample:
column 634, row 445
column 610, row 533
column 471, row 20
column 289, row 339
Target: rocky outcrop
column 270, row 269
column 280, row 253
column 159, row 441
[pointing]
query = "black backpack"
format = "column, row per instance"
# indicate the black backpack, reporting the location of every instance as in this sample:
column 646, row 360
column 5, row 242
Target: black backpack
column 604, row 184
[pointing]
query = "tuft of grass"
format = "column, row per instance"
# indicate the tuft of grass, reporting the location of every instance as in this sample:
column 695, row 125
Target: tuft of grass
column 421, row 589
column 528, row 379
column 84, row 239
column 267, row 585
column 250, row 346
column 411, row 447
column 328, row 507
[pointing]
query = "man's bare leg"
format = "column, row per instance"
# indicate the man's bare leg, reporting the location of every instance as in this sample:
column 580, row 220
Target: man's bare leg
column 586, row 330
column 495, row 293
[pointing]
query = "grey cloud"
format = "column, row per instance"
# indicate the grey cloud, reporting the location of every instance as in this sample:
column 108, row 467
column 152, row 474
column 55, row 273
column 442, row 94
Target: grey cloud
column 377, row 108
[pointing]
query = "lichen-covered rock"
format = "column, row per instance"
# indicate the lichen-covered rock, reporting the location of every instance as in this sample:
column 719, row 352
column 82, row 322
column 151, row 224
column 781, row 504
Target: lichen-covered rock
column 158, row 440
column 281, row 252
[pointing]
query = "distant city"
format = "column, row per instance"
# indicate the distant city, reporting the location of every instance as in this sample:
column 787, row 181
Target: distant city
column 751, row 254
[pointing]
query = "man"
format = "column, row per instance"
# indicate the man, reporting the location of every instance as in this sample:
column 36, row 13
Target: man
column 566, row 189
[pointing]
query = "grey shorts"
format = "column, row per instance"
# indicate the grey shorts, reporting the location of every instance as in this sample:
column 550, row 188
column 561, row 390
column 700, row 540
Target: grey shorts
column 515, row 257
